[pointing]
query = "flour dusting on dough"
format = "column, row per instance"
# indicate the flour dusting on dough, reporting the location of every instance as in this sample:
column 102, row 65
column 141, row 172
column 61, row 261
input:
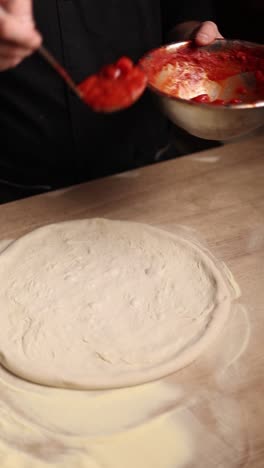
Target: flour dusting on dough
column 104, row 304
column 140, row 426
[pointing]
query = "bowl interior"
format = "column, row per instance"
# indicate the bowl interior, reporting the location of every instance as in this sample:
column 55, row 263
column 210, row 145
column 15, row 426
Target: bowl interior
column 226, row 72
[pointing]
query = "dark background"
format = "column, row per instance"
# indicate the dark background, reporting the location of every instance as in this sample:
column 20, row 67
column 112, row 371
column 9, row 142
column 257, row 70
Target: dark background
column 241, row 19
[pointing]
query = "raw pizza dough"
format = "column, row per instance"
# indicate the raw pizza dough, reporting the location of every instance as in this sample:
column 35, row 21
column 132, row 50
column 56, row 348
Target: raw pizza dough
column 97, row 304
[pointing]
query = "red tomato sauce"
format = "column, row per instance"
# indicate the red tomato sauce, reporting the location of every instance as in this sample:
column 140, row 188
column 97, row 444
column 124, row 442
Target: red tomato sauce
column 115, row 87
column 218, row 102
column 194, row 62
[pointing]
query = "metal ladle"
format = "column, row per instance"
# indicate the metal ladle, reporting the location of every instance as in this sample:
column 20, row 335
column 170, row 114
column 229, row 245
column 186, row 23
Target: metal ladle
column 131, row 96
column 59, row 69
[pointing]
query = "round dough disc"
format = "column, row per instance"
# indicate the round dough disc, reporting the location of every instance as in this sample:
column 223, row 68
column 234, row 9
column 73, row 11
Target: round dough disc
column 97, row 304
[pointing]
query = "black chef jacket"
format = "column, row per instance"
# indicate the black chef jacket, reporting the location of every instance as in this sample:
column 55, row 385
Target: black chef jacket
column 50, row 137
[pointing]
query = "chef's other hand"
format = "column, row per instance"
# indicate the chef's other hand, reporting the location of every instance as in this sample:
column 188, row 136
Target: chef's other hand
column 18, row 36
column 202, row 33
column 206, row 33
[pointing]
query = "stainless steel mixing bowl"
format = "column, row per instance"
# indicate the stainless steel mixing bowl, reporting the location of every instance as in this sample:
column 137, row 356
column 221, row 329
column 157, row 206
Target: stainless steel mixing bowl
column 205, row 120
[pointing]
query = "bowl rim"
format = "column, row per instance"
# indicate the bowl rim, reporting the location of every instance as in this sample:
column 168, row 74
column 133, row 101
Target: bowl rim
column 176, row 45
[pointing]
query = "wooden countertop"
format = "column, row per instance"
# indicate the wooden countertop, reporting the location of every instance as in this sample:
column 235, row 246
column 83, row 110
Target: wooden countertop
column 218, row 195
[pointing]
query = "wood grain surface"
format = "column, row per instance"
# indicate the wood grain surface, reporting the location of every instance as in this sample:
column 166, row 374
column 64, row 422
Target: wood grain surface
column 217, row 196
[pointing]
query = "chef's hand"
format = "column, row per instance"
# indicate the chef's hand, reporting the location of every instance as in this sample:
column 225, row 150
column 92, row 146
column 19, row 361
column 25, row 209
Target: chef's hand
column 18, row 36
column 206, row 33
column 202, row 33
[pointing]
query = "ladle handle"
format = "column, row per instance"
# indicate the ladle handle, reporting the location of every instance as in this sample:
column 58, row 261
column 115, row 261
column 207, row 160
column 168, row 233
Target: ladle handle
column 59, row 69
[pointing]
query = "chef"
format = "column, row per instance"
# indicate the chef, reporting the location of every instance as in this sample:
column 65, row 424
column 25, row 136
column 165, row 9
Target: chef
column 49, row 138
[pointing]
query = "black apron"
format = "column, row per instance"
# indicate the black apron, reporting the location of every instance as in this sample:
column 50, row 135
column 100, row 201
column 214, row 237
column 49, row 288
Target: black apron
column 49, row 137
